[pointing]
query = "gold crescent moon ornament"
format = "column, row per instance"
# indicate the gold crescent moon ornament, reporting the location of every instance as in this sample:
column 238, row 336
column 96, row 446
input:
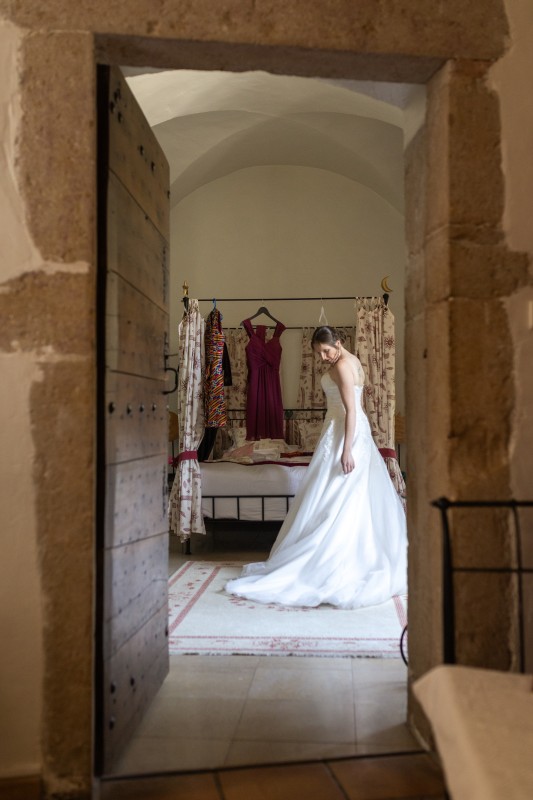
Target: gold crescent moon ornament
column 385, row 286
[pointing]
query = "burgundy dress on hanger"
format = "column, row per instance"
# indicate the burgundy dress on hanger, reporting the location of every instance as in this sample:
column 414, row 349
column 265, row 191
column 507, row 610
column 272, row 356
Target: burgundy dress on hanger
column 264, row 407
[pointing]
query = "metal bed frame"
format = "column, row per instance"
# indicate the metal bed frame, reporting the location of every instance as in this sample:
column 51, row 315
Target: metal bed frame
column 239, row 497
column 289, row 415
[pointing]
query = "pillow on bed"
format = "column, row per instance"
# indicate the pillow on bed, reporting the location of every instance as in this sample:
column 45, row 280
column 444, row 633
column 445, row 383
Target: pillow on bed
column 261, row 450
column 245, row 451
column 268, row 449
column 222, row 443
column 238, row 436
column 308, row 432
column 280, row 444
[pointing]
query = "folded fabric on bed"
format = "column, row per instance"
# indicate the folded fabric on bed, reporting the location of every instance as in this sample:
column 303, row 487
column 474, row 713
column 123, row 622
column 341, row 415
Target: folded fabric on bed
column 262, row 450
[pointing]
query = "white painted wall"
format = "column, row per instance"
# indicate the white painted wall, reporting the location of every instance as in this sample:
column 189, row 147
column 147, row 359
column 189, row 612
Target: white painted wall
column 285, row 231
column 509, row 78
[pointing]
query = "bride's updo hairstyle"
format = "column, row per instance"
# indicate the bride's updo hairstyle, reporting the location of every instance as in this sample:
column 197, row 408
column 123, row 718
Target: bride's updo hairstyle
column 327, row 335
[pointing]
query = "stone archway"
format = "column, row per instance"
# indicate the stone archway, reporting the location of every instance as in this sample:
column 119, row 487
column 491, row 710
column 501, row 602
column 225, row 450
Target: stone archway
column 456, row 446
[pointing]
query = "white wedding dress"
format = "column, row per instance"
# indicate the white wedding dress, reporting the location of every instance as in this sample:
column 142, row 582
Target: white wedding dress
column 344, row 539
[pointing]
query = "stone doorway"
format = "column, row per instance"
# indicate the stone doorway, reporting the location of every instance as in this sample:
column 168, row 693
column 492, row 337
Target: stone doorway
column 439, row 206
column 163, row 725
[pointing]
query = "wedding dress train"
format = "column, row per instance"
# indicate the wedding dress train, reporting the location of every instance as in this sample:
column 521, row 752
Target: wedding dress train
column 344, row 539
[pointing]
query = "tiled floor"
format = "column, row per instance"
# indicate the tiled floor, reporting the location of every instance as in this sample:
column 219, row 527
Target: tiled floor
column 220, row 711
column 406, row 777
column 340, row 718
column 215, row 711
column 414, row 776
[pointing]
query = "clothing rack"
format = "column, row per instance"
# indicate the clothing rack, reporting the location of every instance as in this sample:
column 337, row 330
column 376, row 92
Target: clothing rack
column 276, row 299
column 285, row 327
column 272, row 299
column 185, row 299
column 286, row 411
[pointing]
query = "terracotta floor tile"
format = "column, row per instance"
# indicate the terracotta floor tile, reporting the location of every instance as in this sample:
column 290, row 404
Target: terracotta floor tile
column 171, row 787
column 388, row 777
column 402, row 777
column 293, row 782
column 244, row 753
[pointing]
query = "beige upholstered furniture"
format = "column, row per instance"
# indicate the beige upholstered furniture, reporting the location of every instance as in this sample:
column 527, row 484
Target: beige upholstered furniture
column 482, row 721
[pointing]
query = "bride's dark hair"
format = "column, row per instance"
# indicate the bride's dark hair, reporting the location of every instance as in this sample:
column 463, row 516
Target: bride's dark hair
column 327, row 335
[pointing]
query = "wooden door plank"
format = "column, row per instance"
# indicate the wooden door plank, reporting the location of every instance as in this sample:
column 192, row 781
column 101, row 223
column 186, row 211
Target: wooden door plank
column 129, row 680
column 135, row 155
column 132, row 433
column 137, row 584
column 136, row 500
column 134, row 245
column 136, row 331
column 135, row 538
column 151, row 599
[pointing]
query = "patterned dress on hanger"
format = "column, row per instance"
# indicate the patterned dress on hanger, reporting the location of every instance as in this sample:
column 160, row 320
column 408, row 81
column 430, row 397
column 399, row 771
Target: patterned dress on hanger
column 215, row 402
column 264, row 406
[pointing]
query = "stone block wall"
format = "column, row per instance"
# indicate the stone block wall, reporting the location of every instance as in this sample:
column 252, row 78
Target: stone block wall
column 460, row 391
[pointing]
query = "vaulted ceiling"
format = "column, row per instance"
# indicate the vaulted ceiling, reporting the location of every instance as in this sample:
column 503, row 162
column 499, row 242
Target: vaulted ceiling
column 211, row 124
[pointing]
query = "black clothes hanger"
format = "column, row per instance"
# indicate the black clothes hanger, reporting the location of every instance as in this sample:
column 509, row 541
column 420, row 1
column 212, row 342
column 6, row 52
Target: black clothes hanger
column 263, row 310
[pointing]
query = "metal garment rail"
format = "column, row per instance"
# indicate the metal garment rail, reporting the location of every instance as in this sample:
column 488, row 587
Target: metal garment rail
column 287, row 412
column 285, row 327
column 272, row 299
column 448, row 599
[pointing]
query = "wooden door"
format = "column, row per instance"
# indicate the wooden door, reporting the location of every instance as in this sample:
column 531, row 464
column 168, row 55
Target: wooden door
column 132, row 569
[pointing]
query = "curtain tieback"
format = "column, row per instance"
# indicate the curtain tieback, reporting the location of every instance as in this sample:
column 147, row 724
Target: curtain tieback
column 387, row 452
column 188, row 455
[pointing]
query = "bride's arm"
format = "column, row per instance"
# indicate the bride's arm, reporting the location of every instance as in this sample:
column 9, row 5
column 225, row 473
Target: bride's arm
column 343, row 376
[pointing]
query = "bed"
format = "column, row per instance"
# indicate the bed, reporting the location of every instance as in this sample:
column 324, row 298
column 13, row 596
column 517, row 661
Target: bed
column 249, row 491
column 256, row 481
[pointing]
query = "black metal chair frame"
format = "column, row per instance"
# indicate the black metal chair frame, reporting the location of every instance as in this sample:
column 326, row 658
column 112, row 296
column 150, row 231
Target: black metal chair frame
column 449, row 569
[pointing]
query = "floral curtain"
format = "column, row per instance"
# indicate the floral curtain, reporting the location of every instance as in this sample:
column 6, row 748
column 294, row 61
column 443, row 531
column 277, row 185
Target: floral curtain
column 310, row 393
column 376, row 348
column 185, row 504
column 236, row 341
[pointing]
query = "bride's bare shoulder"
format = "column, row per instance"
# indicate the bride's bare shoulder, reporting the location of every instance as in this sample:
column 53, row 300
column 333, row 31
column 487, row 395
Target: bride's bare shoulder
column 356, row 369
column 343, row 370
column 360, row 373
column 352, row 361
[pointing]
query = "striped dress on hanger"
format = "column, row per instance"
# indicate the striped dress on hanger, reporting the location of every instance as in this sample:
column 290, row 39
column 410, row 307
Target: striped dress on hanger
column 215, row 403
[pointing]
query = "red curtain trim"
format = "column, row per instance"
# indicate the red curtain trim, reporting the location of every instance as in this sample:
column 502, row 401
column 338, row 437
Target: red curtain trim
column 387, row 452
column 188, row 455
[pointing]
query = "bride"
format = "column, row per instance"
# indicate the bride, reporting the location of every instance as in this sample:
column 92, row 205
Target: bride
column 344, row 539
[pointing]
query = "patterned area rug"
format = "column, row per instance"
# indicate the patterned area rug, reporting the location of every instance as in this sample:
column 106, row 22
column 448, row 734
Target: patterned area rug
column 203, row 619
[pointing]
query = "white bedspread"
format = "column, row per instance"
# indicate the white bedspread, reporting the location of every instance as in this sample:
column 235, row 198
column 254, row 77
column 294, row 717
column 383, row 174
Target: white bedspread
column 259, row 480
